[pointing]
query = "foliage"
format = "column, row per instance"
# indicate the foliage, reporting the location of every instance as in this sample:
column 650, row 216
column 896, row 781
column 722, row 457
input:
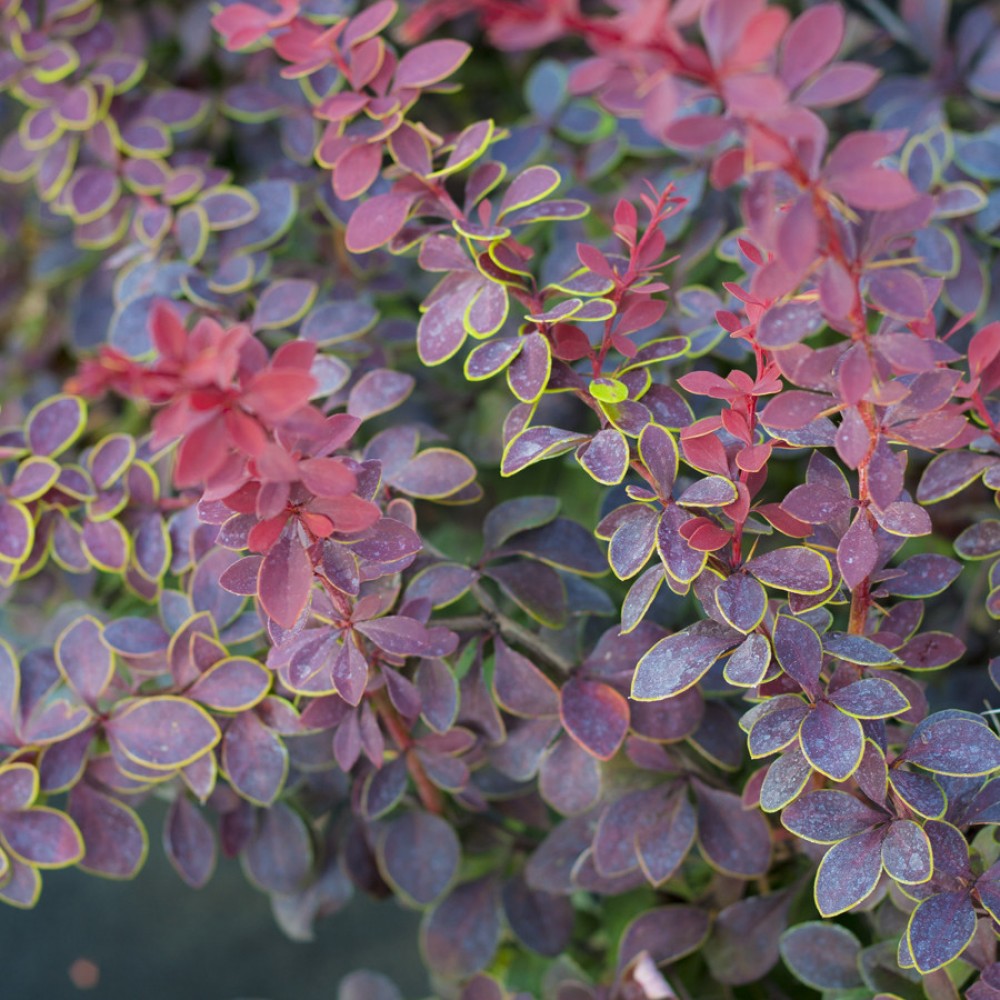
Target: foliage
column 275, row 548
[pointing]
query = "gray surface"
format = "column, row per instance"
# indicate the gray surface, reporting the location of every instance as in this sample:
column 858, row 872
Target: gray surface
column 156, row 939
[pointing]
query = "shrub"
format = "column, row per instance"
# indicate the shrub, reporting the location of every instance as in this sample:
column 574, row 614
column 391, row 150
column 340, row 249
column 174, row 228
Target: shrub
column 275, row 548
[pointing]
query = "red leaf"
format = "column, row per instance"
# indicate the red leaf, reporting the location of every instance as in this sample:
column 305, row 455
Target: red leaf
column 375, row 222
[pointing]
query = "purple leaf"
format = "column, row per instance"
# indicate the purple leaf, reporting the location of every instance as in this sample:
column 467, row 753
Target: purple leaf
column 796, row 569
column 775, row 724
column 980, row 540
column 822, row 955
column 254, row 759
column 365, row 985
column 234, row 684
column 858, row 649
column 283, row 303
column 799, row 650
column 115, row 839
column 906, row 853
column 520, row 687
column 679, row 661
column 871, row 698
column 785, row 780
column 733, row 840
column 162, row 732
column 749, row 661
column 529, row 372
column 434, row 473
column 534, row 587
column 940, row 929
column 54, row 425
column 459, row 937
column 949, row 473
column 106, row 545
column 658, row 451
column 279, row 857
column 541, row 922
column 832, row 741
column 606, row 457
column 667, row 933
column 744, row 940
column 17, row 532
column 569, row 777
column 84, row 660
column 849, row 873
column 378, row 392
column 742, row 602
column 189, row 842
column 595, row 715
column 42, row 836
column 828, row 816
column 954, row 746
column 665, row 836
column 419, row 855
column 535, row 444
column 633, row 541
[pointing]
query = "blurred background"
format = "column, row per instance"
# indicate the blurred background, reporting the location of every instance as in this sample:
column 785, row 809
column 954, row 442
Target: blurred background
column 157, row 939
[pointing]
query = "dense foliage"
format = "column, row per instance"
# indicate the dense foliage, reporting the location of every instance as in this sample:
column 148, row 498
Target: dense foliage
column 274, row 548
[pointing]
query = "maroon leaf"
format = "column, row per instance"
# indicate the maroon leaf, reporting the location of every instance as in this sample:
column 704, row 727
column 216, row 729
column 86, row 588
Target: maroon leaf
column 857, row 552
column 285, row 580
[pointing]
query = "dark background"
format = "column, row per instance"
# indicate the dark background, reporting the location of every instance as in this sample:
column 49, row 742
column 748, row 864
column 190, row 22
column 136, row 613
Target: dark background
column 156, row 939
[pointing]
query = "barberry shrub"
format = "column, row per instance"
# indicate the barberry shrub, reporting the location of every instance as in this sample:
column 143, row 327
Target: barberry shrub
column 510, row 455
